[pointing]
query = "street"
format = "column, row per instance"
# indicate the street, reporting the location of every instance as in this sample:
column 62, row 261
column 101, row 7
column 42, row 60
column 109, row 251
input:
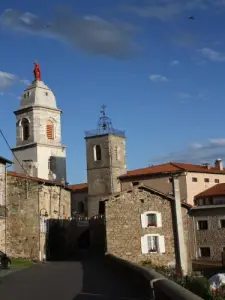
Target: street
column 90, row 278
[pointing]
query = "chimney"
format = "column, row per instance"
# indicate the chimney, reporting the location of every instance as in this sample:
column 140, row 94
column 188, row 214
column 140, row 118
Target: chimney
column 219, row 164
column 207, row 165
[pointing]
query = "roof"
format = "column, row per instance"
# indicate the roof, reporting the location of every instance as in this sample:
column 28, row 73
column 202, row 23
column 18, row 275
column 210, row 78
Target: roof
column 216, row 190
column 150, row 189
column 5, row 160
column 81, row 187
column 36, row 179
column 172, row 167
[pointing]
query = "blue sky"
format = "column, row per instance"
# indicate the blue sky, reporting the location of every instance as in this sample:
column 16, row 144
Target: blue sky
column 160, row 74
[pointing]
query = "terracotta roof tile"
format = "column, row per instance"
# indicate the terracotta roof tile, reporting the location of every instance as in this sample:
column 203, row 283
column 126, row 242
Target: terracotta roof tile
column 79, row 187
column 216, row 190
column 40, row 180
column 172, row 167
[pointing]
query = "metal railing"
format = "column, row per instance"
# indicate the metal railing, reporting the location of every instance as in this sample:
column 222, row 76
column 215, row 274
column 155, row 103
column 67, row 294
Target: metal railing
column 95, row 132
column 161, row 288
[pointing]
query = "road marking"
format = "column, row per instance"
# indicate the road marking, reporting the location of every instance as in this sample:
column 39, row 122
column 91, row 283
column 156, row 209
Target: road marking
column 106, row 296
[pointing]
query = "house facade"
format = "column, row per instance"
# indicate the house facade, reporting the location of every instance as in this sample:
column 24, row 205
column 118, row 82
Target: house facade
column 3, row 196
column 140, row 226
column 208, row 216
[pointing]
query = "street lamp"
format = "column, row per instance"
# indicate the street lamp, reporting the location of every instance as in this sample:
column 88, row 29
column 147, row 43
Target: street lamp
column 43, row 214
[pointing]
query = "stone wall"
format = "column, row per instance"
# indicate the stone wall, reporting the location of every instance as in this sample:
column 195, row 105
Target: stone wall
column 214, row 236
column 2, row 205
column 2, row 234
column 26, row 200
column 124, row 230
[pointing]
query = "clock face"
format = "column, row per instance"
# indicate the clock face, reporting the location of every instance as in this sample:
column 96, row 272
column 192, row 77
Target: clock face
column 99, row 186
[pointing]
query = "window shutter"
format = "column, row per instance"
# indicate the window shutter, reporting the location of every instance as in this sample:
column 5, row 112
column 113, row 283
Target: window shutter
column 159, row 220
column 144, row 244
column 144, row 221
column 161, row 241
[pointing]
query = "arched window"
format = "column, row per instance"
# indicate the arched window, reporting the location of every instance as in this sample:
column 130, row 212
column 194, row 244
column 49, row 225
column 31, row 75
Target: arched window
column 97, row 152
column 25, row 129
column 81, row 207
column 50, row 130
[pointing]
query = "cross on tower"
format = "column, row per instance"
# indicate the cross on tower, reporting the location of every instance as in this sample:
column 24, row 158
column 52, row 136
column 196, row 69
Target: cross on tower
column 103, row 107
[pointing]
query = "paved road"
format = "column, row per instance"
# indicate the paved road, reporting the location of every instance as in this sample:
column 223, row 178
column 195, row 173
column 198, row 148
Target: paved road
column 87, row 279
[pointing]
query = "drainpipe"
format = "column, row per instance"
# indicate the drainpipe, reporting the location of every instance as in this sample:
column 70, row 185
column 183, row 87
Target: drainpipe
column 181, row 255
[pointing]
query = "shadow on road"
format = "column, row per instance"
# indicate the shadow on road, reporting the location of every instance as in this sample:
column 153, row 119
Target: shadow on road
column 102, row 278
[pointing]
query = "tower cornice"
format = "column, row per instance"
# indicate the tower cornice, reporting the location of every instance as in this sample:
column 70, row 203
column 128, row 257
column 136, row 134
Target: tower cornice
column 30, row 108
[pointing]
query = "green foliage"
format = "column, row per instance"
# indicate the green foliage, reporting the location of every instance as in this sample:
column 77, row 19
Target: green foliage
column 20, row 263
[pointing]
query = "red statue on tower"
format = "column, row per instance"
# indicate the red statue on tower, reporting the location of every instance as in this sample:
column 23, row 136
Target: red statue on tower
column 37, row 71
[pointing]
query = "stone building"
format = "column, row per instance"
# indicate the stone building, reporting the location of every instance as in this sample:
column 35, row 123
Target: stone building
column 208, row 216
column 30, row 203
column 141, row 226
column 4, row 163
column 39, row 148
column 193, row 179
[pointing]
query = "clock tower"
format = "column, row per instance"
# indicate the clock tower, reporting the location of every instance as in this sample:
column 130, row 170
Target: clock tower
column 106, row 161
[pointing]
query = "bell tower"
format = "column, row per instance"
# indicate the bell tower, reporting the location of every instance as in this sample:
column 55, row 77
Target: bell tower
column 106, row 161
column 38, row 133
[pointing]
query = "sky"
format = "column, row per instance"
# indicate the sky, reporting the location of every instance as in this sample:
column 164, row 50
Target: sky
column 160, row 74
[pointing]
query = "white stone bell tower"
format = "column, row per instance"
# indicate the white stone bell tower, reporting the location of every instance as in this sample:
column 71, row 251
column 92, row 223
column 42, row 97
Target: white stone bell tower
column 38, row 125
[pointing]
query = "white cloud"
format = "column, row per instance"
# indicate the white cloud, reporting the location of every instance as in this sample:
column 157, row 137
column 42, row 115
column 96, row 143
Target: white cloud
column 197, row 152
column 166, row 10
column 89, row 33
column 7, row 80
column 175, row 63
column 185, row 96
column 158, row 78
column 212, row 55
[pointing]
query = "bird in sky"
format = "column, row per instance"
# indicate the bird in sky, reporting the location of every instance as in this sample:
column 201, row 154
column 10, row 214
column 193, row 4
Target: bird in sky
column 191, row 18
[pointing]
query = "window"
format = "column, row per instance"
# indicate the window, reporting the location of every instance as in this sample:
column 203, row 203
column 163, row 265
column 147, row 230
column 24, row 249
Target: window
column 97, row 152
column 117, row 153
column 101, row 208
column 194, row 179
column 152, row 243
column 81, row 207
column 206, row 179
column 217, row 181
column 222, row 223
column 203, row 225
column 151, row 219
column 50, row 130
column 170, row 180
column 204, row 251
column 46, row 93
column 52, row 164
column 25, row 129
column 135, row 183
